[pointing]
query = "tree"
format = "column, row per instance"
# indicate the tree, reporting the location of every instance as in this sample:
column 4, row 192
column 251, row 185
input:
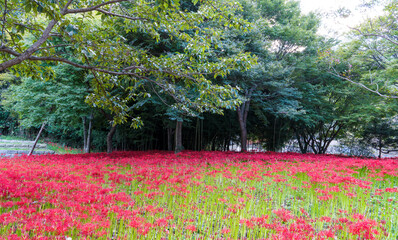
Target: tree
column 331, row 106
column 59, row 102
column 93, row 33
column 381, row 134
column 378, row 127
column 279, row 36
column 370, row 57
column 174, row 109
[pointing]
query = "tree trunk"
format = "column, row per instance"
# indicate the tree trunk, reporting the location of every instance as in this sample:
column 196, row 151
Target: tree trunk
column 84, row 133
column 380, row 147
column 303, row 148
column 88, row 135
column 178, row 137
column 313, row 143
column 37, row 139
column 303, row 138
column 109, row 139
column 90, row 130
column 242, row 112
column 243, row 137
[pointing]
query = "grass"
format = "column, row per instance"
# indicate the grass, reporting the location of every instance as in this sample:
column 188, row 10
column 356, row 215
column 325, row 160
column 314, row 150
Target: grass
column 59, row 149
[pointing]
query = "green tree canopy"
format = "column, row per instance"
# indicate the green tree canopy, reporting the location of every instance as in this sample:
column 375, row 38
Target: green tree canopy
column 370, row 56
column 92, row 35
column 60, row 101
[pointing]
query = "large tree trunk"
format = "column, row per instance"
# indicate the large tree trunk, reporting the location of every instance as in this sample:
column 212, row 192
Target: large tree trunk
column 178, row 137
column 37, row 139
column 109, row 138
column 243, row 136
column 243, row 111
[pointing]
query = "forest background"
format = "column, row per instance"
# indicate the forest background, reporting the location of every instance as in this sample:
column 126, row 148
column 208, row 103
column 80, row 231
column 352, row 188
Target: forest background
column 198, row 75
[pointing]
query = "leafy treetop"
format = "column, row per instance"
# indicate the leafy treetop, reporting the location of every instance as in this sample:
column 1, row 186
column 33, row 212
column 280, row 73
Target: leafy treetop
column 91, row 35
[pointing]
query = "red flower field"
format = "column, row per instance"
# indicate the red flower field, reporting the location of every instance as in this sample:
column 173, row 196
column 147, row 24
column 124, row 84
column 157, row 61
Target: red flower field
column 198, row 195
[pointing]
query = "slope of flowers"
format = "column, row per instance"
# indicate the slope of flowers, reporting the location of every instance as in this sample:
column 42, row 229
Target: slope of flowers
column 198, row 195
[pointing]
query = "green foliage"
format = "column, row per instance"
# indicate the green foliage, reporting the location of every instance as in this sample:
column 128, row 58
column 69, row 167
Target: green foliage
column 370, row 56
column 96, row 33
column 281, row 38
column 6, row 79
column 145, row 64
column 332, row 106
column 8, row 124
column 381, row 134
column 60, row 101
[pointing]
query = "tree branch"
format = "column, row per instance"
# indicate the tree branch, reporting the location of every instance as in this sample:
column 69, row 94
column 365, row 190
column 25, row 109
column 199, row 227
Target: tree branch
column 89, row 67
column 125, row 71
column 386, row 37
column 46, row 33
column 364, row 86
column 31, row 49
column 93, row 8
column 95, row 77
column 122, row 16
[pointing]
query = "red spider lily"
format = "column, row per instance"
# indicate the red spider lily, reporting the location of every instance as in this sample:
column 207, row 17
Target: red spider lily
column 215, row 195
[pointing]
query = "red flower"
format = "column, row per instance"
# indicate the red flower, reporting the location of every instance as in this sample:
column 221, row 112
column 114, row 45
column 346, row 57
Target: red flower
column 191, row 228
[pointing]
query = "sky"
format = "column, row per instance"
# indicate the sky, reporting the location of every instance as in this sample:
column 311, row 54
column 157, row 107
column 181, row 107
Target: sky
column 331, row 24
